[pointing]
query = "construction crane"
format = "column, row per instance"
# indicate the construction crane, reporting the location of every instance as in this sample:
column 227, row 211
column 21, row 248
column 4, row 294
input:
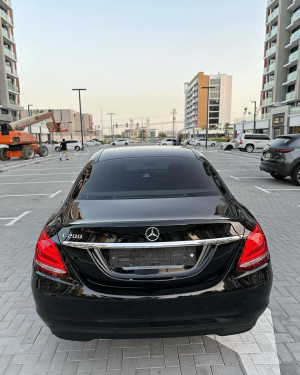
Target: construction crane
column 22, row 144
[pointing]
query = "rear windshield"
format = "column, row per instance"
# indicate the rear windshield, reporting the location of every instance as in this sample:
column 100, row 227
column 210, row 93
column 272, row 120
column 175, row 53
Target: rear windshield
column 281, row 141
column 148, row 177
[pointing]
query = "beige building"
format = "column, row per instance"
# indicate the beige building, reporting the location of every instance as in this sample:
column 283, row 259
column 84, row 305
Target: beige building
column 197, row 104
column 70, row 120
column 9, row 79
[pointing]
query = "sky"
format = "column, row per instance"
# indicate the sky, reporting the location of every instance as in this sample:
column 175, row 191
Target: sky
column 133, row 56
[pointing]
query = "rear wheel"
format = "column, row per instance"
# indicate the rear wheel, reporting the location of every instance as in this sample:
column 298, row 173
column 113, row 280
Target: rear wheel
column 277, row 176
column 76, row 148
column 212, row 145
column 249, row 148
column 296, row 175
column 43, row 151
column 3, row 154
column 126, row 144
column 198, row 144
column 229, row 148
column 28, row 153
column 57, row 148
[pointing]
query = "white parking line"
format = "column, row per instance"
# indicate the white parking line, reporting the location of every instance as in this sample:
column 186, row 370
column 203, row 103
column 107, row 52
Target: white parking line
column 17, row 218
column 266, row 191
column 236, row 170
column 53, row 195
column 34, row 182
column 20, row 195
column 238, row 178
column 35, row 174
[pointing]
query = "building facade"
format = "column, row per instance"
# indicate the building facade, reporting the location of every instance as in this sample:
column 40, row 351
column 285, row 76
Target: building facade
column 197, row 103
column 9, row 80
column 280, row 95
column 70, row 120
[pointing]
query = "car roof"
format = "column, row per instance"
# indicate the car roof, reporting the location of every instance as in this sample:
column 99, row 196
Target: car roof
column 144, row 151
column 289, row 136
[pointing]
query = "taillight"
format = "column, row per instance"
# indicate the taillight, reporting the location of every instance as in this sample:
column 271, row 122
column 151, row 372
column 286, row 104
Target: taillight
column 241, row 142
column 284, row 150
column 255, row 251
column 47, row 258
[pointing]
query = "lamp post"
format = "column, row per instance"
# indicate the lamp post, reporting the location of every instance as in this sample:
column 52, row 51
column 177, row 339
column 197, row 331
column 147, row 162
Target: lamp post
column 254, row 120
column 174, row 118
column 29, row 113
column 207, row 119
column 111, row 126
column 79, row 90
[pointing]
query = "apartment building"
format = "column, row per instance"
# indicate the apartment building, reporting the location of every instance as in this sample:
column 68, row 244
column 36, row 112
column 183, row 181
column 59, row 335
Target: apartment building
column 197, row 104
column 9, row 80
column 280, row 87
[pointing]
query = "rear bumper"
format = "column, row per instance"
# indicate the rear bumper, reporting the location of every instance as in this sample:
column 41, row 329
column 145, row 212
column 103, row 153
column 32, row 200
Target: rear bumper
column 279, row 168
column 77, row 313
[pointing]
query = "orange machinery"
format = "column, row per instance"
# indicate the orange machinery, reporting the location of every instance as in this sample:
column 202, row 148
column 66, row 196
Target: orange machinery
column 22, row 144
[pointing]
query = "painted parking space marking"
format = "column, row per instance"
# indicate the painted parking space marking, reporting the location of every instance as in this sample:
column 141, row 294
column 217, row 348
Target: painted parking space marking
column 257, row 177
column 34, row 182
column 268, row 190
column 30, row 195
column 13, row 220
column 55, row 194
column 36, row 174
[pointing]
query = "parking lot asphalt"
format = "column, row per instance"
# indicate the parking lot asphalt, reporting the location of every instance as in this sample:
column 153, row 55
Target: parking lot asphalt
column 30, row 193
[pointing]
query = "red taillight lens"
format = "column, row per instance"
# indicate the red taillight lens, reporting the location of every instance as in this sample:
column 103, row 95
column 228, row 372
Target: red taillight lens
column 47, row 258
column 284, row 150
column 241, row 142
column 255, row 251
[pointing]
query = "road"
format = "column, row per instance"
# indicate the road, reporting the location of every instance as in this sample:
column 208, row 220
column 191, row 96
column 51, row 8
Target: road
column 29, row 194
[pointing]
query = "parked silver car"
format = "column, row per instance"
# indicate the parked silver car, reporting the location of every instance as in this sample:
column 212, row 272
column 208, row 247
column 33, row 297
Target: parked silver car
column 201, row 142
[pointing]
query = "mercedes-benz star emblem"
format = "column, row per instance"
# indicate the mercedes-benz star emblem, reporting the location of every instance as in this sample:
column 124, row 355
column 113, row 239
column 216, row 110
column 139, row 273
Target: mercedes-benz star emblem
column 152, row 234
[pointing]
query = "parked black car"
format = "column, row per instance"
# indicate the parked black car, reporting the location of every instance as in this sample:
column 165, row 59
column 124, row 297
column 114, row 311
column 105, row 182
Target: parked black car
column 150, row 243
column 282, row 158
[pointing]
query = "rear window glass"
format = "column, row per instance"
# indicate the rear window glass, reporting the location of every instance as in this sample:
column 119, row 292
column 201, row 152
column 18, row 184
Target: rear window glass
column 151, row 177
column 282, row 141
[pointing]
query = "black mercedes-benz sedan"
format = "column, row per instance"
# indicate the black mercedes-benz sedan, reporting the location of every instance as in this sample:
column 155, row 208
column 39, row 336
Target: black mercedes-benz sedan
column 150, row 243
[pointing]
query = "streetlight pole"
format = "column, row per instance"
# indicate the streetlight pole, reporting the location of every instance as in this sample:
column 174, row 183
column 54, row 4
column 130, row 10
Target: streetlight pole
column 79, row 90
column 29, row 105
column 207, row 118
column 254, row 122
column 174, row 118
column 102, row 125
column 111, row 126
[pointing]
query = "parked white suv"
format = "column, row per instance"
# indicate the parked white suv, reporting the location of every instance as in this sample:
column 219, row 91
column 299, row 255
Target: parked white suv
column 249, row 141
column 168, row 142
column 201, row 142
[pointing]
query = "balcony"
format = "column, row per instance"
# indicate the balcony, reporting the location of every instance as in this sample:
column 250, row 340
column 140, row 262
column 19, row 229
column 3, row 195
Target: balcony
column 272, row 15
column 295, row 111
column 7, row 36
column 11, row 101
column 269, row 68
column 271, row 51
column 290, row 95
column 294, row 36
column 291, row 77
column 6, row 16
column 12, row 87
column 269, row 85
column 272, row 2
column 296, row 15
column 267, row 101
column 292, row 59
column 9, row 53
column 272, row 33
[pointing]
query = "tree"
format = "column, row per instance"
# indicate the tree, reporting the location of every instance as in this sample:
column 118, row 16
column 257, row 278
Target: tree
column 162, row 135
column 245, row 111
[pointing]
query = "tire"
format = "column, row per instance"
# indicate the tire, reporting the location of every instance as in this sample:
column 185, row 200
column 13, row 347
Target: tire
column 28, row 153
column 249, row 148
column 126, row 144
column 76, row 148
column 43, row 151
column 277, row 176
column 229, row 148
column 57, row 148
column 213, row 145
column 198, row 144
column 296, row 175
column 3, row 154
